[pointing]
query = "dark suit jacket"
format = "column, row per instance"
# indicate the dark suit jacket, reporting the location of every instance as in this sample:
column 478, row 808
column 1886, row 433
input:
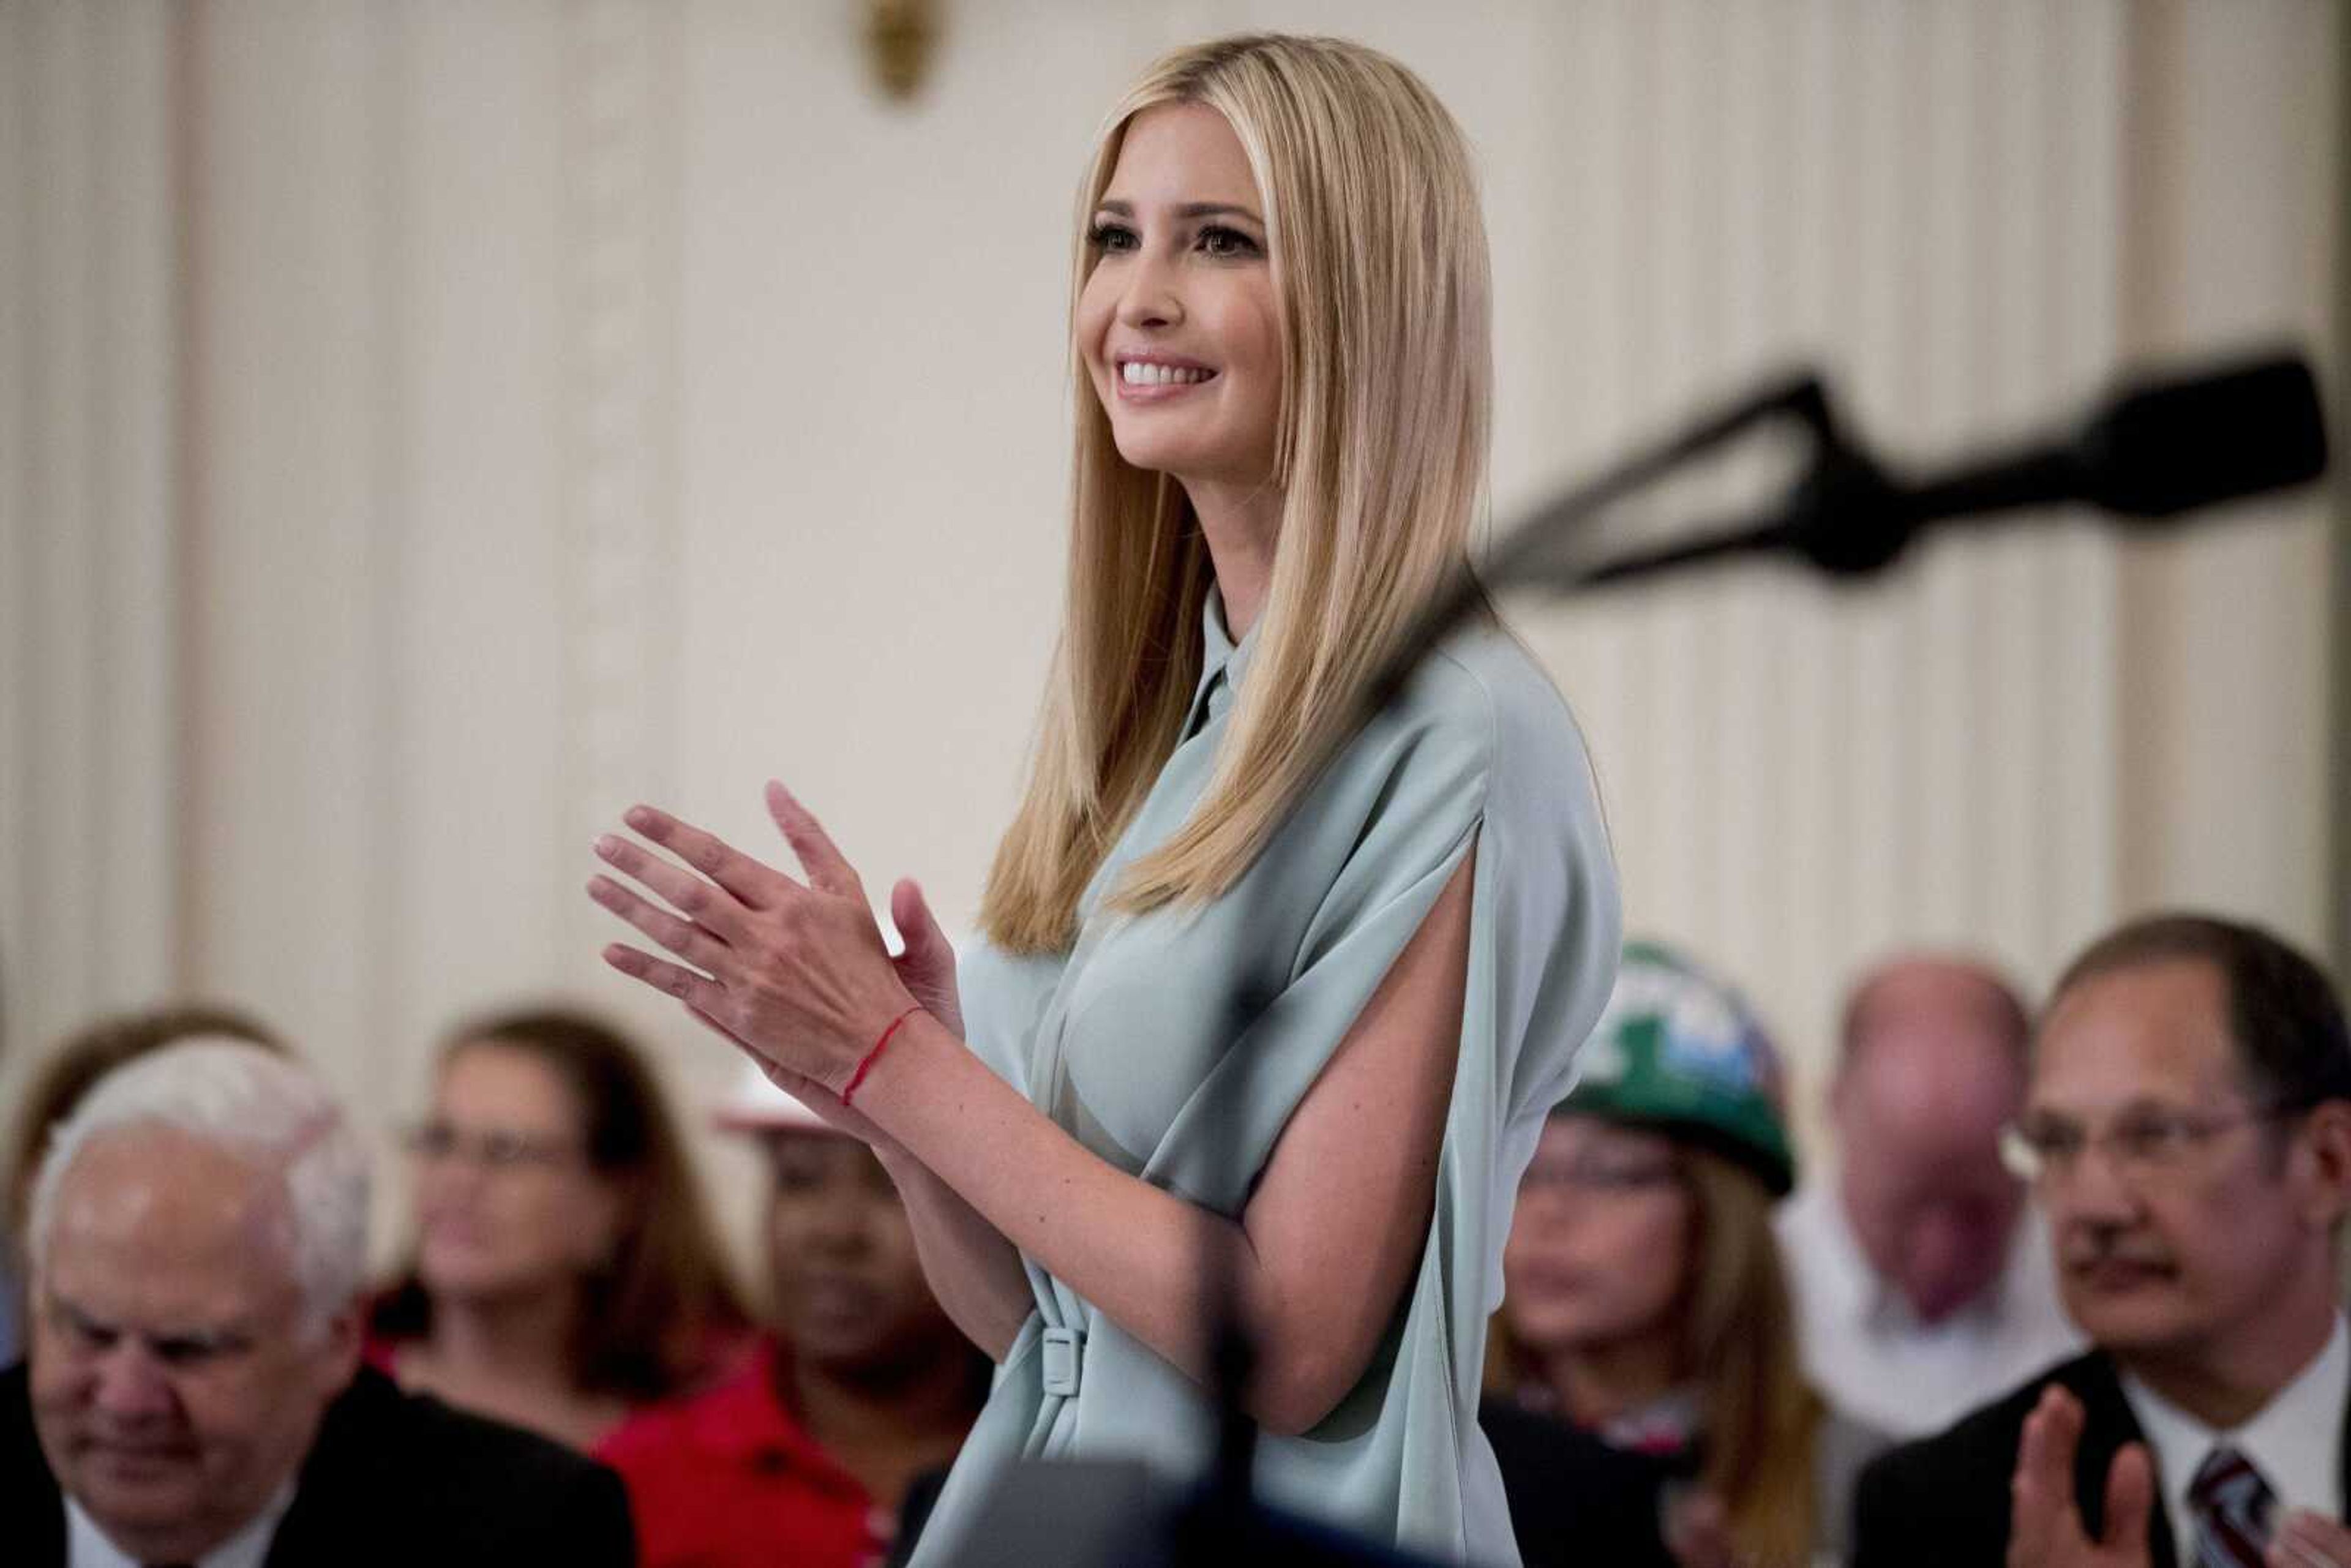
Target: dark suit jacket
column 393, row 1479
column 1943, row 1501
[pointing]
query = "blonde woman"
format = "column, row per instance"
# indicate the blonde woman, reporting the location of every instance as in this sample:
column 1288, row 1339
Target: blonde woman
column 1649, row 1406
column 1256, row 988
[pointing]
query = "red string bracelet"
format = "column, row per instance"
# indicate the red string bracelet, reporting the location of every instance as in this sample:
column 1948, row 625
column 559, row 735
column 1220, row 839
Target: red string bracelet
column 874, row 1055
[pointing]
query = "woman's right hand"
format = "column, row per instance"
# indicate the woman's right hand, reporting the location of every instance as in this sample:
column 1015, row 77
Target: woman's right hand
column 927, row 968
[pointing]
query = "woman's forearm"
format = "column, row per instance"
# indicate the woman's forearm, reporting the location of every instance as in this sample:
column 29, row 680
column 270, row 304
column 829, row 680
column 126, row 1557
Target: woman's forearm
column 973, row 1270
column 1136, row 1252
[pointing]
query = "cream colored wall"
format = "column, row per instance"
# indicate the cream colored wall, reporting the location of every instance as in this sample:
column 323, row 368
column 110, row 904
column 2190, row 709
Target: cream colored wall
column 428, row 427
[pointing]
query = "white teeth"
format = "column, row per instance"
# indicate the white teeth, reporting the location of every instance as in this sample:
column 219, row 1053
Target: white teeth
column 1141, row 373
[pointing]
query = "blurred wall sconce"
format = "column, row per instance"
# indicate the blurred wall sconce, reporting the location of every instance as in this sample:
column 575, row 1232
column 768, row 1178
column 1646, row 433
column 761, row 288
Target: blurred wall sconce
column 901, row 38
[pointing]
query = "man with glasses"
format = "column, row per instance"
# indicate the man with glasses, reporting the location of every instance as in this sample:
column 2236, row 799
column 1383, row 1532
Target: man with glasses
column 2187, row 1135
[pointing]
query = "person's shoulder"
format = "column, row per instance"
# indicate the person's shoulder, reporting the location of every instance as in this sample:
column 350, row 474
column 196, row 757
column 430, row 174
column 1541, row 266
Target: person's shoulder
column 1527, row 1440
column 1479, row 708
column 687, row 1430
column 1482, row 688
column 1573, row 1498
column 35, row 1531
column 443, row 1469
column 1944, row 1499
column 1983, row 1442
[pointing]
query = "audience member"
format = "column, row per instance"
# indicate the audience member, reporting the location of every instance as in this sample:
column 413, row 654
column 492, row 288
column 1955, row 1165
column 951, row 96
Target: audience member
column 60, row 1082
column 860, row 1385
column 1645, row 1350
column 1922, row 1279
column 197, row 1234
column 565, row 1270
column 2189, row 1132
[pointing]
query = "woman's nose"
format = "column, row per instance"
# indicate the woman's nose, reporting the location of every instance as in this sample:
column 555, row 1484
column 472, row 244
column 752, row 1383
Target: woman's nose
column 1150, row 297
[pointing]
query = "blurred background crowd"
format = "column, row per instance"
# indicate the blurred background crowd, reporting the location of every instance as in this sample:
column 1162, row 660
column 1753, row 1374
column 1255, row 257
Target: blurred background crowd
column 1704, row 1343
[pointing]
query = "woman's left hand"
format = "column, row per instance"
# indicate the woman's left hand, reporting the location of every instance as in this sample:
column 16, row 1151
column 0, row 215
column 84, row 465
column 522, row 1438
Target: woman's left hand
column 795, row 972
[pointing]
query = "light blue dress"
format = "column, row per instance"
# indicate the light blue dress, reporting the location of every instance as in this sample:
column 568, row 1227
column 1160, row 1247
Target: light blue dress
column 1153, row 1030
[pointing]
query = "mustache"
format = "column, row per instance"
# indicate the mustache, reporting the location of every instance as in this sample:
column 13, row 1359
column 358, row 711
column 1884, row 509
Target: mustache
column 2088, row 1248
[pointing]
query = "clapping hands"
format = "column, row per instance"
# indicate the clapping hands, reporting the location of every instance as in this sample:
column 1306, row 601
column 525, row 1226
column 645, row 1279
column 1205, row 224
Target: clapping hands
column 795, row 973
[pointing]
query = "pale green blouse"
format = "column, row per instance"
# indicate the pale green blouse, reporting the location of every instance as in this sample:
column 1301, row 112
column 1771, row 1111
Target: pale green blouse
column 1151, row 1030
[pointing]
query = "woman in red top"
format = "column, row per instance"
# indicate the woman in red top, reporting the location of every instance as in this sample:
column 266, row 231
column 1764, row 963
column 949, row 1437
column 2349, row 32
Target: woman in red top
column 864, row 1383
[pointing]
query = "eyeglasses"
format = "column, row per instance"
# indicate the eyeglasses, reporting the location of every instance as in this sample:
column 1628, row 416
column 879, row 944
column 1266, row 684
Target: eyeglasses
column 1599, row 1175
column 2144, row 1141
column 493, row 1149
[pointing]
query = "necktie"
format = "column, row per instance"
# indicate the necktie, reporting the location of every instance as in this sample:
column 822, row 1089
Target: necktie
column 2230, row 1504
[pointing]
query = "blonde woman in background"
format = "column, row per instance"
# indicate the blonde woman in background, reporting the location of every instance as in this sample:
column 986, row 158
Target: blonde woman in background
column 1648, row 1403
column 1267, row 992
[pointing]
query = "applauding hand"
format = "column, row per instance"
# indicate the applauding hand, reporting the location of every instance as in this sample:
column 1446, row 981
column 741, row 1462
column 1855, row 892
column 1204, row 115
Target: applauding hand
column 794, row 973
column 2045, row 1529
column 2306, row 1539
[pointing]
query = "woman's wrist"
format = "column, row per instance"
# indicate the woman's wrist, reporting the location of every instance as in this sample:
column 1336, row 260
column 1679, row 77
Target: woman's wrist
column 899, row 1069
column 874, row 1054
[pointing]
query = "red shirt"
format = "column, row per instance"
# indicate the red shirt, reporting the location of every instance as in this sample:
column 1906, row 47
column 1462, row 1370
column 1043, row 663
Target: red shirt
column 727, row 1477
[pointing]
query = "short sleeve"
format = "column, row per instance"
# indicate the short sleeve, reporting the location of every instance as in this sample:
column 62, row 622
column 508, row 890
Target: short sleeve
column 1397, row 811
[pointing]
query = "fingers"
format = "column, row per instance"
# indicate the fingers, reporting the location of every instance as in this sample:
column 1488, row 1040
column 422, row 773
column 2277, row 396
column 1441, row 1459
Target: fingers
column 2043, row 1519
column 2130, row 1499
column 825, row 866
column 707, row 905
column 1697, row 1531
column 2307, row 1540
column 755, row 885
column 699, row 992
column 682, row 937
column 926, row 944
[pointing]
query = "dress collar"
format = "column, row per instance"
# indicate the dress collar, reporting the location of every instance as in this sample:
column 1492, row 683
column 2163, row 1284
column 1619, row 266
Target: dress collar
column 1224, row 663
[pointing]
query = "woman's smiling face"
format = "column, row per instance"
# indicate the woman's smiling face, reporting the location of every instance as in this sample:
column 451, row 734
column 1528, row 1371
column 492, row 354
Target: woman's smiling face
column 1177, row 323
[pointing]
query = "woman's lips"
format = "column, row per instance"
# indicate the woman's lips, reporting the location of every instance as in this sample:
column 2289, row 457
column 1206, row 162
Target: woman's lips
column 1148, row 380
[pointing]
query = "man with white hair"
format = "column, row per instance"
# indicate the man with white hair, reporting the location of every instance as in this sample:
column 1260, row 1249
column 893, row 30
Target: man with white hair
column 193, row 1392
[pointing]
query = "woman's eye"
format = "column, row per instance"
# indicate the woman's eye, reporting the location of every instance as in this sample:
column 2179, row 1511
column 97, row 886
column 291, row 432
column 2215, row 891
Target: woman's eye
column 1106, row 236
column 1218, row 240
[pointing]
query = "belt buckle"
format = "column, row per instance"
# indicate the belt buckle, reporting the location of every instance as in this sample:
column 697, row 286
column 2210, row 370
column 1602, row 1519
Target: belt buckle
column 1063, row 1361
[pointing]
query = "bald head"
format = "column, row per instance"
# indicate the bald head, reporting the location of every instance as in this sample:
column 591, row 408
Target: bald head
column 1916, row 990
column 1933, row 1065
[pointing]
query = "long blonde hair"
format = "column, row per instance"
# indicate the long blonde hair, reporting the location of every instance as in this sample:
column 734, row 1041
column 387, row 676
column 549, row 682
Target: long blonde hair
column 1380, row 270
column 1737, row 1344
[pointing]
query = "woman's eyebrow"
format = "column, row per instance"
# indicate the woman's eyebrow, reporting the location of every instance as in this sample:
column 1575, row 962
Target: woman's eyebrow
column 1123, row 209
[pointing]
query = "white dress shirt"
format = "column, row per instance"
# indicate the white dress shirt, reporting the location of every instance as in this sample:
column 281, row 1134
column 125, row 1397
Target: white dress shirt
column 1871, row 1356
column 87, row 1546
column 2295, row 1441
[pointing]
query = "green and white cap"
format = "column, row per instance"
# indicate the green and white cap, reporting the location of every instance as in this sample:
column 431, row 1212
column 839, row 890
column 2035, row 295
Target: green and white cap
column 1679, row 1051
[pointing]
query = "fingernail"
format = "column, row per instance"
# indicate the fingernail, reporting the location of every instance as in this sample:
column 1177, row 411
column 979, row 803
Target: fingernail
column 639, row 816
column 607, row 846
